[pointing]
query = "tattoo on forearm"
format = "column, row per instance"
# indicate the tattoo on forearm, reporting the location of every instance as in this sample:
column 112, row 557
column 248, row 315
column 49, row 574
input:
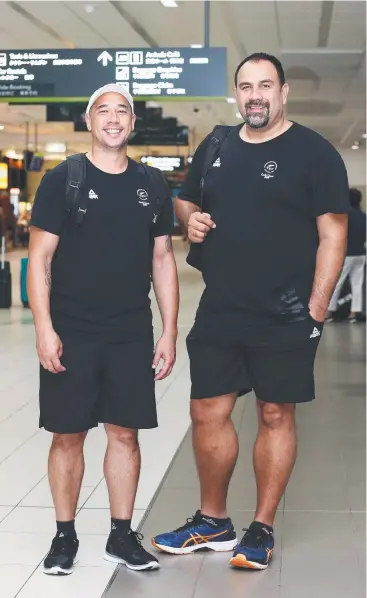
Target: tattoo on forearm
column 168, row 244
column 48, row 277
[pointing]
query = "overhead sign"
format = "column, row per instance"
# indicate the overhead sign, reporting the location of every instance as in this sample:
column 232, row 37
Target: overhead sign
column 148, row 73
column 165, row 163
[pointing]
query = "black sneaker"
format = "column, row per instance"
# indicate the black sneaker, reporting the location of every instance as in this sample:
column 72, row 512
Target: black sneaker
column 61, row 558
column 127, row 550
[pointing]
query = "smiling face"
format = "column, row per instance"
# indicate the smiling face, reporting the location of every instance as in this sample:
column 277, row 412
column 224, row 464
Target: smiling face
column 260, row 95
column 111, row 121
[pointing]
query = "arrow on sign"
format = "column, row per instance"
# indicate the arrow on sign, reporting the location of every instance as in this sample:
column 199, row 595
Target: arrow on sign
column 105, row 58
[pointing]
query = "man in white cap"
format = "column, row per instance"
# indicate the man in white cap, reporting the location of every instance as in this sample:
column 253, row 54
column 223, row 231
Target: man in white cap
column 88, row 288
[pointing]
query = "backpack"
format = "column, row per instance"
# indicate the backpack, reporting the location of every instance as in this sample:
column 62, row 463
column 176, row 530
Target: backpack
column 76, row 176
column 218, row 137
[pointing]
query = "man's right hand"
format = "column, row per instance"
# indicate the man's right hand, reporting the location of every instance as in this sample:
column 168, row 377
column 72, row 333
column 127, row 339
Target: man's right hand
column 49, row 349
column 198, row 226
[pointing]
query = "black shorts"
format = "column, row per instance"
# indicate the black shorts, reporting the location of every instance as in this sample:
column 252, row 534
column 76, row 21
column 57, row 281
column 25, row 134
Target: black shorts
column 277, row 362
column 104, row 383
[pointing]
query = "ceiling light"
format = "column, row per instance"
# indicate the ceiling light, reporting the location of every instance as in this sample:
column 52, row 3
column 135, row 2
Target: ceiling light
column 196, row 46
column 169, row 3
column 89, row 8
column 355, row 146
column 239, row 115
column 2, row 127
column 231, row 100
column 364, row 135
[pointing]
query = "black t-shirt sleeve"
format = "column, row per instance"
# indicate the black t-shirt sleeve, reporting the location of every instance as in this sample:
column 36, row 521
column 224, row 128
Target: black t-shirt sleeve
column 165, row 221
column 191, row 188
column 48, row 211
column 330, row 188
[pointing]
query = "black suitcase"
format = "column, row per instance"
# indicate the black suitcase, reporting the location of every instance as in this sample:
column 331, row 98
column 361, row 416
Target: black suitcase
column 5, row 278
column 5, row 285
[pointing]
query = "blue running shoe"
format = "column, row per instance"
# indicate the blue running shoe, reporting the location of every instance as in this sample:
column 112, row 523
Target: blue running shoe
column 198, row 532
column 255, row 549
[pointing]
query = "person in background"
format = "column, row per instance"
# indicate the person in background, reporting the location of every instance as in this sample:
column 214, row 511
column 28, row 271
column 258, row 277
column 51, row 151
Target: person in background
column 355, row 261
column 88, row 288
column 272, row 239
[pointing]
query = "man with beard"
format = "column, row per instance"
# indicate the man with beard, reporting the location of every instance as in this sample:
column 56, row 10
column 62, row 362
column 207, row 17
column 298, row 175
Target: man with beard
column 88, row 287
column 273, row 236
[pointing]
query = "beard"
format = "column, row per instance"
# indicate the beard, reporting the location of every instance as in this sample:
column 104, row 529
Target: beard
column 257, row 120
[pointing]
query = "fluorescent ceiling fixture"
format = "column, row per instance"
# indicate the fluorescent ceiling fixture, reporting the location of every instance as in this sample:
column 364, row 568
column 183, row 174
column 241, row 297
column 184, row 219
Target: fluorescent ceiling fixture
column 231, row 100
column 196, row 46
column 169, row 3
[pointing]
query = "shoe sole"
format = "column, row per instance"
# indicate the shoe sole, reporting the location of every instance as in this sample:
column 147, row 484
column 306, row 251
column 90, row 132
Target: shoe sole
column 59, row 570
column 241, row 562
column 115, row 559
column 215, row 546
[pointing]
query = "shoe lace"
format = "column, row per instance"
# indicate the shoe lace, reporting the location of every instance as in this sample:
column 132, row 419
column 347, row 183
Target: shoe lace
column 190, row 522
column 136, row 536
column 61, row 543
column 131, row 536
column 252, row 539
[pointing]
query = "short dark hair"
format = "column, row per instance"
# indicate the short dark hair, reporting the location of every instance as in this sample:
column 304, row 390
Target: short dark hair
column 355, row 197
column 262, row 56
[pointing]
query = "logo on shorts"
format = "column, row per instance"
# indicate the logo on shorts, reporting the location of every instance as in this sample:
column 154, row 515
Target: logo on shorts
column 315, row 333
column 142, row 196
column 269, row 170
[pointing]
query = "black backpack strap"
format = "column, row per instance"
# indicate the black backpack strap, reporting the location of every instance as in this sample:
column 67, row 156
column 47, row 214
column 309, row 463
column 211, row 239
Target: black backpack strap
column 74, row 183
column 217, row 138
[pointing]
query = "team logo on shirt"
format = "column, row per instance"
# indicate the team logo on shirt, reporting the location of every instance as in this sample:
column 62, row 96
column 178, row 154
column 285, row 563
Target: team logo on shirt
column 142, row 196
column 217, row 163
column 269, row 169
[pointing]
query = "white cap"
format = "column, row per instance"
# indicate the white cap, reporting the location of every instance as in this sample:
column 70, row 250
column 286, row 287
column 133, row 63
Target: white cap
column 111, row 88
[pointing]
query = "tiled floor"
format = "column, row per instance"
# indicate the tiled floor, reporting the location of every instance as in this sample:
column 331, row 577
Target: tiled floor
column 320, row 525
column 321, row 521
column 26, row 516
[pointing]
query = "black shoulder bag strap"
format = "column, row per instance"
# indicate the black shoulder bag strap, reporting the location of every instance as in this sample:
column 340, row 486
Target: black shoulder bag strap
column 74, row 183
column 218, row 136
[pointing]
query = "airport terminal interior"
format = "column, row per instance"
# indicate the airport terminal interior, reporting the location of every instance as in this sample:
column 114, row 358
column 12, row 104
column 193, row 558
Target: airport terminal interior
column 178, row 58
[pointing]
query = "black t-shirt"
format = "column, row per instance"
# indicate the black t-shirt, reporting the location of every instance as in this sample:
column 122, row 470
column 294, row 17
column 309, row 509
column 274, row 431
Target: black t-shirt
column 259, row 261
column 101, row 270
column 356, row 232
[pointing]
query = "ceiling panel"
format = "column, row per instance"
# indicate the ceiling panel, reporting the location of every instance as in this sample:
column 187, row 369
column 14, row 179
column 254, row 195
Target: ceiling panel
column 179, row 26
column 110, row 24
column 72, row 28
column 25, row 33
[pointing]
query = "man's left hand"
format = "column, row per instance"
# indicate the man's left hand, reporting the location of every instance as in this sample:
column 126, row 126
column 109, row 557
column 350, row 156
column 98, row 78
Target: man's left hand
column 165, row 351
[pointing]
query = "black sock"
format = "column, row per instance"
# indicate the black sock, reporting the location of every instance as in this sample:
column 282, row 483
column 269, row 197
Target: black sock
column 214, row 520
column 120, row 525
column 66, row 527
